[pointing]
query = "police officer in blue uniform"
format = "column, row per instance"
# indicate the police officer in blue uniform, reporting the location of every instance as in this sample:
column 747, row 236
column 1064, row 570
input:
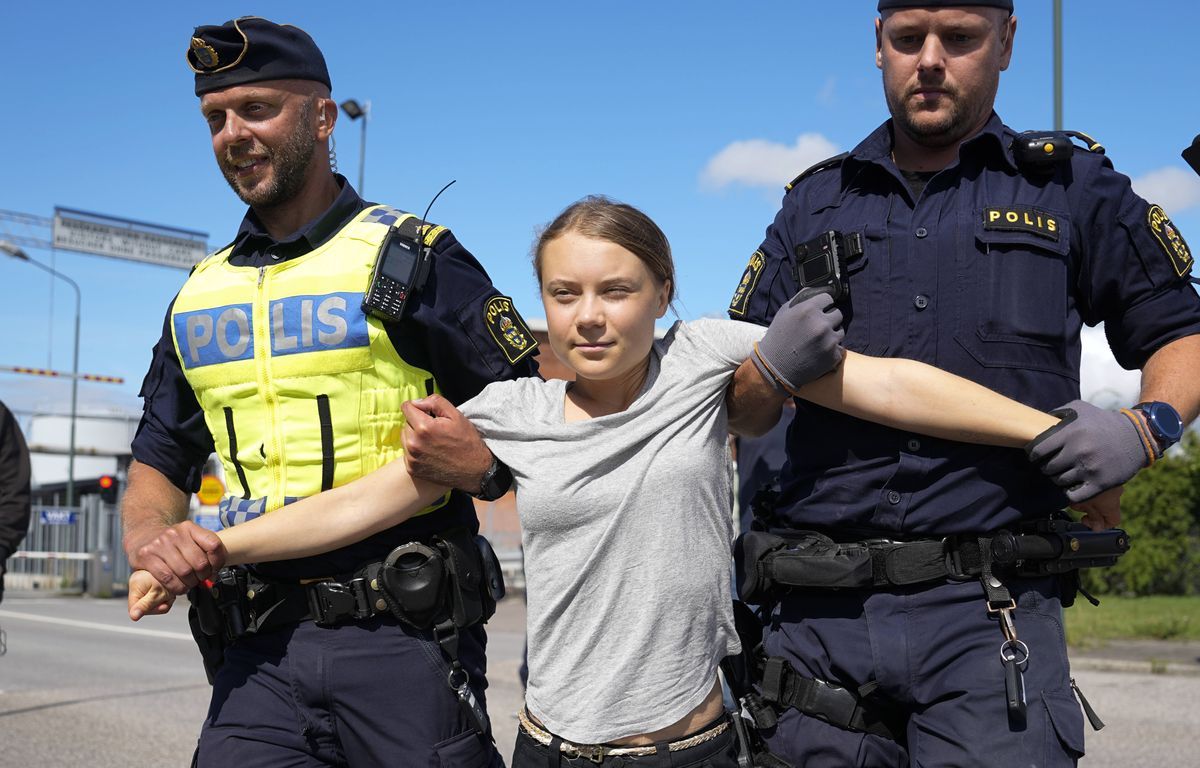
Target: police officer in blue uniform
column 14, row 490
column 982, row 252
column 267, row 356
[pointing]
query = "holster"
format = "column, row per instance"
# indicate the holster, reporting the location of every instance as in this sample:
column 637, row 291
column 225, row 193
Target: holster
column 208, row 629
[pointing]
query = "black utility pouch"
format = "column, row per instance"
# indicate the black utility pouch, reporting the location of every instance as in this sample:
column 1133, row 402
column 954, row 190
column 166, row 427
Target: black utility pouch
column 749, row 550
column 415, row 585
column 493, row 577
column 465, row 566
column 814, row 561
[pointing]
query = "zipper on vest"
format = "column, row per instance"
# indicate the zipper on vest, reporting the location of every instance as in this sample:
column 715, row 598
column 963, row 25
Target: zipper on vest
column 262, row 359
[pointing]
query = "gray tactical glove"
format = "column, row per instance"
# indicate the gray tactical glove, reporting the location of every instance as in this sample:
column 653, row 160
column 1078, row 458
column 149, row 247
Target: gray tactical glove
column 802, row 342
column 1091, row 449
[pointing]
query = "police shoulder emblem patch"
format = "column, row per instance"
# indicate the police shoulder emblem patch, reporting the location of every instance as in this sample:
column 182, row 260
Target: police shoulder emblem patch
column 749, row 281
column 1171, row 241
column 1016, row 218
column 508, row 328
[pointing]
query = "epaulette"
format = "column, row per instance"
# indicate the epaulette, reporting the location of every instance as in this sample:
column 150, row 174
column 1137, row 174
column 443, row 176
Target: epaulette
column 408, row 223
column 1091, row 144
column 828, row 163
column 432, row 232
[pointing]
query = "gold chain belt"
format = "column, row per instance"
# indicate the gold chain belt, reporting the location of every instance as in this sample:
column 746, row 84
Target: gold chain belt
column 597, row 752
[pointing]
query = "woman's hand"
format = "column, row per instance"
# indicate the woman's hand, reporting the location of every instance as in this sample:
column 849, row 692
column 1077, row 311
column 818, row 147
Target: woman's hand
column 1103, row 510
column 147, row 596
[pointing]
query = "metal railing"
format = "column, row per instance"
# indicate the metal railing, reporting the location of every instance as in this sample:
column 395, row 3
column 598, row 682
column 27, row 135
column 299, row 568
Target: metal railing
column 70, row 549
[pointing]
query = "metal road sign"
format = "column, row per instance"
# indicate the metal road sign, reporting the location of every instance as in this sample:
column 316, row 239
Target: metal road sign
column 127, row 239
column 58, row 516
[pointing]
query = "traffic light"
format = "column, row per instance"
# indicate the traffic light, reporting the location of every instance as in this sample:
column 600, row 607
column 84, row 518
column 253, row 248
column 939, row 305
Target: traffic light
column 108, row 489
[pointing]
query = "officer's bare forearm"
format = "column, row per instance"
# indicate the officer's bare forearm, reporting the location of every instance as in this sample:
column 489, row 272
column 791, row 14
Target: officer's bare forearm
column 912, row 396
column 150, row 501
column 1170, row 376
column 754, row 405
column 331, row 519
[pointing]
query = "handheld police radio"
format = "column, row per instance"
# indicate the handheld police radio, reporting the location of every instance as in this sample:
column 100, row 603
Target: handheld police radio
column 401, row 269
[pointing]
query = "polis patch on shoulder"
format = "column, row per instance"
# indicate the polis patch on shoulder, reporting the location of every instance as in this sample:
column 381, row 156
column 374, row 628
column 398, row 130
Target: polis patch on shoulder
column 1171, row 241
column 1014, row 218
column 508, row 328
column 749, row 281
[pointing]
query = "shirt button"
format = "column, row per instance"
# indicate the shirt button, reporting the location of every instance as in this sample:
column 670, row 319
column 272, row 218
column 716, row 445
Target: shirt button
column 920, row 301
column 914, row 444
column 893, row 497
column 921, row 232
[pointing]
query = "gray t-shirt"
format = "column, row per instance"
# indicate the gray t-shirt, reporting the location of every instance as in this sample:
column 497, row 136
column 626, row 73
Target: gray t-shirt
column 626, row 522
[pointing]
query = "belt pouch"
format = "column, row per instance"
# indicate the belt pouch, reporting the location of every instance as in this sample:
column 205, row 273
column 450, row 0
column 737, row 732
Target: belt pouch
column 814, row 561
column 753, row 584
column 465, row 564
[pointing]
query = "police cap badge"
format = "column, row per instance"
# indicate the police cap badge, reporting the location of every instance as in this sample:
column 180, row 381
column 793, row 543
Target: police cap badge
column 252, row 49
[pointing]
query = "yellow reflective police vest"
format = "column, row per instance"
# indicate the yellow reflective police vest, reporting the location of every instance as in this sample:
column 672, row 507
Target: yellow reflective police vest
column 300, row 389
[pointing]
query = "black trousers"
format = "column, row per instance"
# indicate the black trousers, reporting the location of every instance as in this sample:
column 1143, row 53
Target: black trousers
column 361, row 694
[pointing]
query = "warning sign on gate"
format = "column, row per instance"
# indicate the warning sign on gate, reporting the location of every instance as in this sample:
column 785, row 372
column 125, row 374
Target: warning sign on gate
column 58, row 516
column 211, row 490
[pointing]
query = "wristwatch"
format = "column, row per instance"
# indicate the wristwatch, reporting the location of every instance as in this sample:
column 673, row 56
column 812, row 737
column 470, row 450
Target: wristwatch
column 1163, row 423
column 497, row 479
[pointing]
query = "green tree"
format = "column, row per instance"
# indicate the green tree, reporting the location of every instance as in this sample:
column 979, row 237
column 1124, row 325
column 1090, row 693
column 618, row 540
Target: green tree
column 1161, row 512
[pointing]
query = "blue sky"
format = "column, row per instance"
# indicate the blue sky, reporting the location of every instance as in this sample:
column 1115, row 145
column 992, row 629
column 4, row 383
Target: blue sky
column 696, row 112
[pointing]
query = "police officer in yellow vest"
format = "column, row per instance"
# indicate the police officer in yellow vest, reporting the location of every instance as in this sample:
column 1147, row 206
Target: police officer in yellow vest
column 268, row 358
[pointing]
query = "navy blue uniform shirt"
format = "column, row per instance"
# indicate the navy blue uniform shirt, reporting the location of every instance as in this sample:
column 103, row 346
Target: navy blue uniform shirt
column 446, row 335
column 988, row 274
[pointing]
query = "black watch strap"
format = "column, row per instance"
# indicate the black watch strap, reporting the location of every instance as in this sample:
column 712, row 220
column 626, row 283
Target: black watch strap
column 496, row 481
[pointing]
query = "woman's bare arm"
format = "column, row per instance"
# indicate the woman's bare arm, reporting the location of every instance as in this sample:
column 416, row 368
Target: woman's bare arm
column 916, row 397
column 331, row 519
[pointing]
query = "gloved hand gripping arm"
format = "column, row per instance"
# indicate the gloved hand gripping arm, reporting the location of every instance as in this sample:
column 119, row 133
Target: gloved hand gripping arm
column 1092, row 450
column 802, row 343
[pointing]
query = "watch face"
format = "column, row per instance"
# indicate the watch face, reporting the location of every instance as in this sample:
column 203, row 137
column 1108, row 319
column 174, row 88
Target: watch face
column 1164, row 421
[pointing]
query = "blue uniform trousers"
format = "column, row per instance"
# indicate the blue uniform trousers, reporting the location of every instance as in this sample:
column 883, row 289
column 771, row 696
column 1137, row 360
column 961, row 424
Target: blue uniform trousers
column 371, row 693
column 935, row 652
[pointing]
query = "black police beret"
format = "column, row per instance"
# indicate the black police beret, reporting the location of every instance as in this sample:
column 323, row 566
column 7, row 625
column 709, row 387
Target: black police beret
column 891, row 5
column 252, row 49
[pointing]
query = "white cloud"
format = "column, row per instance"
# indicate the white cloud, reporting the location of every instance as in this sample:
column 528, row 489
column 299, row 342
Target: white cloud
column 1101, row 381
column 1174, row 188
column 762, row 163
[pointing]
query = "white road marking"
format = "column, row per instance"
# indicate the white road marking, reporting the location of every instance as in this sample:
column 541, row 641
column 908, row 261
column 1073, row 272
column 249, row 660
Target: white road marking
column 93, row 625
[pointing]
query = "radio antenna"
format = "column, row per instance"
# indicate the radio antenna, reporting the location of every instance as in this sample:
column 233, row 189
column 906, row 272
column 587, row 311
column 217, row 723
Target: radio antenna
column 428, row 208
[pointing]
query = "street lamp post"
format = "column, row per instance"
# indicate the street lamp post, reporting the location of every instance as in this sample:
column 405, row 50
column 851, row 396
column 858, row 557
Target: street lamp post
column 17, row 253
column 356, row 111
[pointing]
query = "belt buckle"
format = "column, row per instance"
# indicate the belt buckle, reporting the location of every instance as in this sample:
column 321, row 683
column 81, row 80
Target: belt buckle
column 592, row 752
column 953, row 560
column 331, row 602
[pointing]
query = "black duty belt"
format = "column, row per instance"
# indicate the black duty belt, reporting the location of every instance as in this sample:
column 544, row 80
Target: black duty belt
column 273, row 605
column 809, row 559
